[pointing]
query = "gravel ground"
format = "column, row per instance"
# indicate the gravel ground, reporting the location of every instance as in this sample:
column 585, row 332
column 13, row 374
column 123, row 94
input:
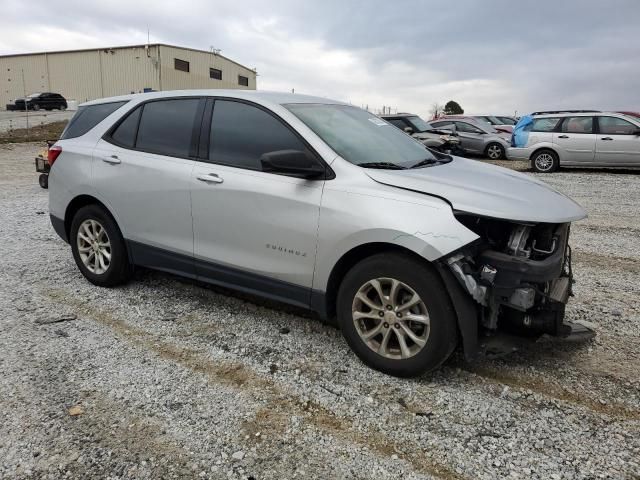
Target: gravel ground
column 10, row 120
column 164, row 378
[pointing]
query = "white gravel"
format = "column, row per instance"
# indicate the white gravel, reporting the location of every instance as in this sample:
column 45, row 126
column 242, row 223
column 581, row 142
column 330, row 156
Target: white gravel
column 174, row 380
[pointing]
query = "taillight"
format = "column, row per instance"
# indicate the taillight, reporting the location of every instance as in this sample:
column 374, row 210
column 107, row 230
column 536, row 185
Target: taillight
column 53, row 153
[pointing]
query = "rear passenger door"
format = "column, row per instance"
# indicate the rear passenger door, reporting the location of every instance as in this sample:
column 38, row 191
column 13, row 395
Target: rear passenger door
column 576, row 140
column 617, row 142
column 142, row 170
column 254, row 230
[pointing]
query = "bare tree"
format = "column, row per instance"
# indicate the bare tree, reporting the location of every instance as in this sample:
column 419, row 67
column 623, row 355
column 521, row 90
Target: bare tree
column 436, row 110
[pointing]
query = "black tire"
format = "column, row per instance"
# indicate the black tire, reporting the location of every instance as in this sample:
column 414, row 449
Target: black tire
column 36, row 107
column 494, row 147
column 426, row 282
column 545, row 161
column 119, row 269
column 43, row 180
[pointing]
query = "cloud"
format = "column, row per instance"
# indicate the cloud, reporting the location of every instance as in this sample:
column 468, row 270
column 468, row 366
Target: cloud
column 491, row 57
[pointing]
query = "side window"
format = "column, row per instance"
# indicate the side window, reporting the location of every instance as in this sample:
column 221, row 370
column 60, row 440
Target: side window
column 544, row 124
column 467, row 128
column 577, row 125
column 241, row 134
column 88, row 117
column 616, row 126
column 125, row 134
column 181, row 65
column 442, row 124
column 166, row 126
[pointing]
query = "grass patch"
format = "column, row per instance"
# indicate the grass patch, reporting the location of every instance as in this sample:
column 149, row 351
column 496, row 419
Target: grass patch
column 37, row 133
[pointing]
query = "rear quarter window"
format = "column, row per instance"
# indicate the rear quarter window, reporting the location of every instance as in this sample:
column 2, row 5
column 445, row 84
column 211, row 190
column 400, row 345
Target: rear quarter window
column 544, row 124
column 88, row 117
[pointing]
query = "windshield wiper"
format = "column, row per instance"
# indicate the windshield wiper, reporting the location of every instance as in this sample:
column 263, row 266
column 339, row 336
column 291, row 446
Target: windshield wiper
column 442, row 158
column 382, row 165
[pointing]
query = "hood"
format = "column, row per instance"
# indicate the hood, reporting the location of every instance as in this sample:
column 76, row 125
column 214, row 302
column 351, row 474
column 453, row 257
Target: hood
column 486, row 190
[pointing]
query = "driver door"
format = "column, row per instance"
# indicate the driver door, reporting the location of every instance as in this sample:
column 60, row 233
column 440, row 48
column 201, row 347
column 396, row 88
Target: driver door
column 253, row 230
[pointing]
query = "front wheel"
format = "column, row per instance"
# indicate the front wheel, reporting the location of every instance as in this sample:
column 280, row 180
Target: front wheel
column 494, row 151
column 36, row 107
column 395, row 314
column 545, row 161
column 98, row 247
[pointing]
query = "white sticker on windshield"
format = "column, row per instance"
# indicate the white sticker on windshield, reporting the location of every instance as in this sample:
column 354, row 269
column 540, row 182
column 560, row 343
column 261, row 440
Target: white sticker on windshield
column 378, row 121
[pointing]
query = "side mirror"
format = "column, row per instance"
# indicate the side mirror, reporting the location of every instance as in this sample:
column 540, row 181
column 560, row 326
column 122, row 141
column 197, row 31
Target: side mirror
column 408, row 130
column 291, row 162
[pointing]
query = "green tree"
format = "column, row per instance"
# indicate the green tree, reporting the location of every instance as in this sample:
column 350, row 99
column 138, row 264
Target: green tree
column 453, row 108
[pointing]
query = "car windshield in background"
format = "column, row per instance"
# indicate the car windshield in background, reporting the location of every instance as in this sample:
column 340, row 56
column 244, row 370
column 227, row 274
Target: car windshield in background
column 360, row 137
column 419, row 124
column 507, row 121
column 34, row 95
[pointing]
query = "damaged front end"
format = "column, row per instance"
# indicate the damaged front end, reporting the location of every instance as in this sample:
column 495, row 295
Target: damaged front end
column 519, row 278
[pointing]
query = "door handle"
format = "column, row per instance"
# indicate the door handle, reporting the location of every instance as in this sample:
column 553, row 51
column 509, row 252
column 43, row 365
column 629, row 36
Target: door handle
column 113, row 160
column 606, row 138
column 210, row 178
column 563, row 136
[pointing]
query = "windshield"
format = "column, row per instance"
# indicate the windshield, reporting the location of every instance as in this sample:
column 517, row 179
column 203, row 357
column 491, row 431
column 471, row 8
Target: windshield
column 507, row 121
column 419, row 124
column 359, row 136
column 33, row 95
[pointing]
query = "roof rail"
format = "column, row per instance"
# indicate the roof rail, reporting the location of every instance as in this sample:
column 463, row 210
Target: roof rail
column 565, row 111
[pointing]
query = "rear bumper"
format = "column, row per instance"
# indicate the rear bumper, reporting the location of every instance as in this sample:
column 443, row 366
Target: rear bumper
column 58, row 226
column 515, row 153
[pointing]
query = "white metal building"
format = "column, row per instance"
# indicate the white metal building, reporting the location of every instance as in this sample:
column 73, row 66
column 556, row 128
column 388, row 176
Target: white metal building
column 103, row 72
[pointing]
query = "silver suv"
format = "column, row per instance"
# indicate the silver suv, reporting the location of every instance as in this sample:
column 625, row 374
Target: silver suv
column 578, row 139
column 318, row 204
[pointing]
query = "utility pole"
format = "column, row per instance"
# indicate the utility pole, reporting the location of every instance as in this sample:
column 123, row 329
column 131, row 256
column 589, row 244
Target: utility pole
column 26, row 106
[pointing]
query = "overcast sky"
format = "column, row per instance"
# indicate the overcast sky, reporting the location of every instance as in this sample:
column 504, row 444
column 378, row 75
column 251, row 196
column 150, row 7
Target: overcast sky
column 490, row 56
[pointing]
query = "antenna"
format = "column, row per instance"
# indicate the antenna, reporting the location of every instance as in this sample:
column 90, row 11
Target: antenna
column 148, row 35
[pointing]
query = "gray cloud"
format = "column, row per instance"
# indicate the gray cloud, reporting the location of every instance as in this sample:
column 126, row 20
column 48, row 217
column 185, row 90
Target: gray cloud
column 496, row 56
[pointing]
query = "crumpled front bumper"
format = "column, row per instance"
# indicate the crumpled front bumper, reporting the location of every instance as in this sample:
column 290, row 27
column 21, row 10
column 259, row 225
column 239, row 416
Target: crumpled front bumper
column 512, row 295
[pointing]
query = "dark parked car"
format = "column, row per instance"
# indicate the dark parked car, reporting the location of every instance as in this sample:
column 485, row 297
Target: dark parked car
column 444, row 141
column 40, row 101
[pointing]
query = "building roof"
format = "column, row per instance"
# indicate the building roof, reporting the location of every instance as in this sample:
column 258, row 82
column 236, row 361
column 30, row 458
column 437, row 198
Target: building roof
column 122, row 47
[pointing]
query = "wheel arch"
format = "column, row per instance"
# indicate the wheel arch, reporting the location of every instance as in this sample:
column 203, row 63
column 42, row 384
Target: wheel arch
column 464, row 309
column 82, row 201
column 545, row 148
column 350, row 258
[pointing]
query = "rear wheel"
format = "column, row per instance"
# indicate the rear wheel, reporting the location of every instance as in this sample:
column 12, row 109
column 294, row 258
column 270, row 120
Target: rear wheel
column 545, row 161
column 98, row 247
column 494, row 151
column 396, row 315
column 36, row 107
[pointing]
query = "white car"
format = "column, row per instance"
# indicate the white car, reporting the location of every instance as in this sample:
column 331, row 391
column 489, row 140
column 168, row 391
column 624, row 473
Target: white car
column 579, row 139
column 318, row 204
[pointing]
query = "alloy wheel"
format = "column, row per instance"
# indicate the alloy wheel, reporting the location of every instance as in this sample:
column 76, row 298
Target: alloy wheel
column 391, row 318
column 544, row 162
column 494, row 152
column 94, row 246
